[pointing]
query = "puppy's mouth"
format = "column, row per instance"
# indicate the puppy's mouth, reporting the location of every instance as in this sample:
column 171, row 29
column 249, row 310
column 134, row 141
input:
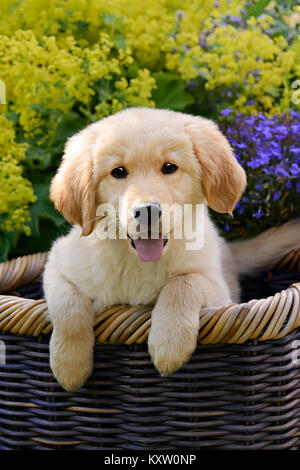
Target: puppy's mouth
column 149, row 249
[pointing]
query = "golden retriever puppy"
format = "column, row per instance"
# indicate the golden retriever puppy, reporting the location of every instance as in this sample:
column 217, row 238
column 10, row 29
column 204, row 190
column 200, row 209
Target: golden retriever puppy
column 133, row 166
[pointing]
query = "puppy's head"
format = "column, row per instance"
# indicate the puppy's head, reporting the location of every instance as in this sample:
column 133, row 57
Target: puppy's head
column 140, row 162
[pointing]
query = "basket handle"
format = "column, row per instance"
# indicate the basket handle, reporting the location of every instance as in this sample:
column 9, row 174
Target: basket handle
column 21, row 271
column 262, row 319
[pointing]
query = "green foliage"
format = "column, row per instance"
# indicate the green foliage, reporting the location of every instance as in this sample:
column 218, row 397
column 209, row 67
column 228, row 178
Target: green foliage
column 67, row 64
column 257, row 8
column 170, row 93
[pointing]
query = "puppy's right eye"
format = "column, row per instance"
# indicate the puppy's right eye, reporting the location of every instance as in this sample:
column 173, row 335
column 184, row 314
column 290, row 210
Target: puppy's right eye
column 169, row 168
column 119, row 172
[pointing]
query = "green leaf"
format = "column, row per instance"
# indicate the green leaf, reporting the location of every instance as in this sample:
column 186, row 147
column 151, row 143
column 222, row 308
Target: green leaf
column 12, row 116
column 119, row 41
column 170, row 93
column 113, row 21
column 37, row 107
column 38, row 158
column 257, row 8
column 273, row 91
column 82, row 26
column 104, row 89
column 108, row 18
column 69, row 124
column 43, row 208
column 48, row 234
column 5, row 244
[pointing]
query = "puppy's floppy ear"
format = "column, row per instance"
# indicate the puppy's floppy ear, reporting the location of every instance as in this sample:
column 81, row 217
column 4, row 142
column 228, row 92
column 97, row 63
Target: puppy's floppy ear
column 223, row 178
column 73, row 189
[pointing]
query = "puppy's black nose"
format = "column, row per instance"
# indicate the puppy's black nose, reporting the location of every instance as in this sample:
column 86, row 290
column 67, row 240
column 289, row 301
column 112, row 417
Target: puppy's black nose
column 147, row 214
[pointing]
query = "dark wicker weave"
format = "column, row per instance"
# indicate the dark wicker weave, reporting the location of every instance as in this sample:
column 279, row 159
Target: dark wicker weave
column 229, row 396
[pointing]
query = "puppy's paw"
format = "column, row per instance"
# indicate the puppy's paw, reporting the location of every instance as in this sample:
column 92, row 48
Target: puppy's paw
column 170, row 351
column 71, row 360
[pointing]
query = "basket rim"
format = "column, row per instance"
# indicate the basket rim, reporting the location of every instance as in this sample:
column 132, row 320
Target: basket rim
column 262, row 319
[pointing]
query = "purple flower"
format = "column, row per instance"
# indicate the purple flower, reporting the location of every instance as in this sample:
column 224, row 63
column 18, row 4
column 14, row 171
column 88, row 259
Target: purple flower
column 241, row 145
column 250, row 121
column 179, row 14
column 268, row 149
column 264, row 156
column 227, row 226
column 226, row 111
column 258, row 186
column 294, row 113
column 277, row 154
column 295, row 150
column 254, row 163
column 295, row 128
column 267, row 133
column 282, row 129
column 295, row 170
column 235, row 19
column 288, row 184
column 258, row 214
column 281, row 172
column 241, row 210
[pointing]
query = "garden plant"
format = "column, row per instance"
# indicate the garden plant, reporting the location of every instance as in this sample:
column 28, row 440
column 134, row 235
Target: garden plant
column 67, row 63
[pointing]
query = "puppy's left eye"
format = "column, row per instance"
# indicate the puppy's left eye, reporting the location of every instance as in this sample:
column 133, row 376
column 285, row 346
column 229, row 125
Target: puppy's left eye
column 119, row 172
column 169, row 168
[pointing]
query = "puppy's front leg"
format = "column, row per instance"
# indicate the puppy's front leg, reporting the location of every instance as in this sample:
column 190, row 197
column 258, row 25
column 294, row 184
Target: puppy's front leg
column 175, row 319
column 72, row 339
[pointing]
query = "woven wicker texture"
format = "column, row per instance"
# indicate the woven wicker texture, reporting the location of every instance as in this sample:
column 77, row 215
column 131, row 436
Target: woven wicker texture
column 21, row 271
column 228, row 396
column 270, row 318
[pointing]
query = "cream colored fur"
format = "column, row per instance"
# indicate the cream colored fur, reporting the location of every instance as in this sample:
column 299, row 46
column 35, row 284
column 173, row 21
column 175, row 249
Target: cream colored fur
column 268, row 248
column 85, row 274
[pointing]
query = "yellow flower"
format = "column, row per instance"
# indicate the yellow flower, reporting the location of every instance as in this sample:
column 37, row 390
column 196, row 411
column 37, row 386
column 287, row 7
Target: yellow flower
column 100, row 56
column 16, row 192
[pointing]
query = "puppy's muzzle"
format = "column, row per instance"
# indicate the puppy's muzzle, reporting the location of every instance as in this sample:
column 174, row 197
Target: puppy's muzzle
column 148, row 215
column 150, row 242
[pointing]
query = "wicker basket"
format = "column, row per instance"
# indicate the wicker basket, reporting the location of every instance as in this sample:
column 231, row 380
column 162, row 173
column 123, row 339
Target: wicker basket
column 240, row 390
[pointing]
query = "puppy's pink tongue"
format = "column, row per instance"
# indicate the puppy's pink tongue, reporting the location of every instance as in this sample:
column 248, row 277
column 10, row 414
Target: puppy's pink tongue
column 149, row 249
